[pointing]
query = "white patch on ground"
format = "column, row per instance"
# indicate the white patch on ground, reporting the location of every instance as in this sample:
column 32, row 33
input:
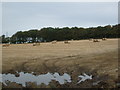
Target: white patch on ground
column 84, row 77
column 96, row 83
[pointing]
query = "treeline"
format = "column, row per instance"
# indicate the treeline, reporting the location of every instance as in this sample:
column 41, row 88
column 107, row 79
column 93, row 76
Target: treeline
column 60, row 34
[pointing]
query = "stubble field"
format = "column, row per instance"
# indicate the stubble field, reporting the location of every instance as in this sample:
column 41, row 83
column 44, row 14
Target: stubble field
column 99, row 59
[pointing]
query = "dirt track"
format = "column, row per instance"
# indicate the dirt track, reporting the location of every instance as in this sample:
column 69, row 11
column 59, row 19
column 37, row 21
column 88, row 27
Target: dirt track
column 96, row 58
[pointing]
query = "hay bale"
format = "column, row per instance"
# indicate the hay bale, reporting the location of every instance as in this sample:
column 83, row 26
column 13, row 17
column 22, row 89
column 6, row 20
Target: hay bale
column 66, row 42
column 91, row 39
column 55, row 41
column 5, row 45
column 104, row 39
column 36, row 44
column 96, row 40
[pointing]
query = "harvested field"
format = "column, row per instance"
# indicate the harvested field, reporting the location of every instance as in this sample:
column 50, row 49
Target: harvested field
column 80, row 56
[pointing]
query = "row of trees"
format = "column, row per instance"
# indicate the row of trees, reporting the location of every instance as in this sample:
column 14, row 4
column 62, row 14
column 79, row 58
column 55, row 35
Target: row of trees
column 60, row 34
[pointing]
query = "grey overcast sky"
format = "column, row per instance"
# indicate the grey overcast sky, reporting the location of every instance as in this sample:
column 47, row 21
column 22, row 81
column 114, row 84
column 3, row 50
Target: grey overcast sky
column 21, row 16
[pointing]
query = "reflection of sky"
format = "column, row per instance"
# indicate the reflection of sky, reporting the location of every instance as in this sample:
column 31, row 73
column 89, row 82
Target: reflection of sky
column 24, row 16
column 43, row 78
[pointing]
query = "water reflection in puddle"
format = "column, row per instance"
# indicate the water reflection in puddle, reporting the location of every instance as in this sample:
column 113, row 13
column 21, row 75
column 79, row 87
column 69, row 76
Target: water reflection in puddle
column 84, row 77
column 43, row 78
column 0, row 77
column 27, row 77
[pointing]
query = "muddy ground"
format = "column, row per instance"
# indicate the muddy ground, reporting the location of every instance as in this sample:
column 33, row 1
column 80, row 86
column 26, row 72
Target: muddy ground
column 80, row 56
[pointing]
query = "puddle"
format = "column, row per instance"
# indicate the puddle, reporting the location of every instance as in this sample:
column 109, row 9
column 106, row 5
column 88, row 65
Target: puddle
column 39, row 79
column 0, row 77
column 27, row 77
column 96, row 83
column 84, row 77
column 118, row 84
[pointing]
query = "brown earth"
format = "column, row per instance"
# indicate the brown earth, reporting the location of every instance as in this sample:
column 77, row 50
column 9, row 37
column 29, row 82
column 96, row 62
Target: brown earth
column 79, row 56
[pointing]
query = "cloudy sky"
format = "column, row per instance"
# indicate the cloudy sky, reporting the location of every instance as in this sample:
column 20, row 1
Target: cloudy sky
column 30, row 15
